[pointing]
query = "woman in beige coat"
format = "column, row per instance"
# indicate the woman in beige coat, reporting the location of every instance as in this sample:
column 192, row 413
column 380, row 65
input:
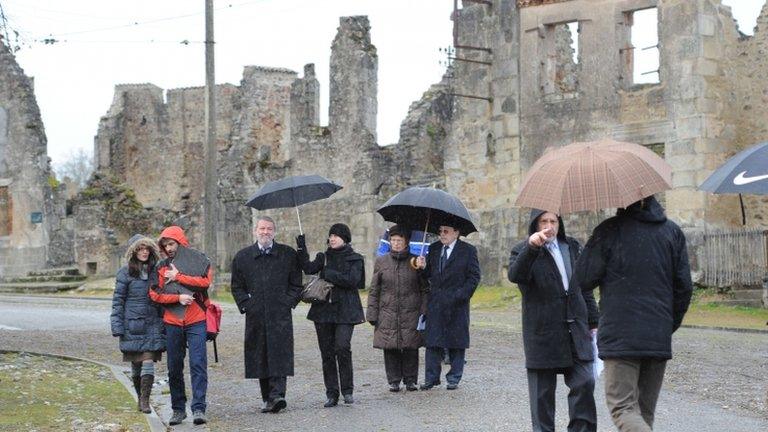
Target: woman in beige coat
column 398, row 296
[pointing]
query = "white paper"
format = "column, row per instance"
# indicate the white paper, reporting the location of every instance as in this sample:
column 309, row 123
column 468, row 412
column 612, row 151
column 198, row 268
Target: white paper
column 422, row 325
column 597, row 364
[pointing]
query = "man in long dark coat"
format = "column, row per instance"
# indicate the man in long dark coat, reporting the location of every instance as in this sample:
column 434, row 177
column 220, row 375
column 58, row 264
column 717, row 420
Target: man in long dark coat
column 557, row 322
column 266, row 285
column 453, row 272
column 639, row 259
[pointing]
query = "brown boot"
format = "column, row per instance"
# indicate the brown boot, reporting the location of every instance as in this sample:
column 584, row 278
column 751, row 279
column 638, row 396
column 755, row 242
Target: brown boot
column 146, row 389
column 137, row 387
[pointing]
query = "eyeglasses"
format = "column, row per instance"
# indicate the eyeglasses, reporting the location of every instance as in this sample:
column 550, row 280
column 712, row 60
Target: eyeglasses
column 444, row 231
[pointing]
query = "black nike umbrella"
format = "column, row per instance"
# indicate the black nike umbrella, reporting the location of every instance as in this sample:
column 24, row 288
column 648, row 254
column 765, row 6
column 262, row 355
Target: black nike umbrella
column 292, row 192
column 744, row 173
column 422, row 208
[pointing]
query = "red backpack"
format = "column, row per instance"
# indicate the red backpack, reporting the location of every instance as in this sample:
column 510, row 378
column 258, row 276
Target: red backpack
column 212, row 322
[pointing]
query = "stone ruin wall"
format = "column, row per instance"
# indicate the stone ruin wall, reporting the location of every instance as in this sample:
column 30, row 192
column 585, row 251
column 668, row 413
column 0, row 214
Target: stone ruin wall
column 26, row 182
column 699, row 114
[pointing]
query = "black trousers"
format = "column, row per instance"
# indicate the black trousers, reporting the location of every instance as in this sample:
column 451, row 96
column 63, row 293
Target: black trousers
column 581, row 400
column 336, row 351
column 272, row 388
column 401, row 364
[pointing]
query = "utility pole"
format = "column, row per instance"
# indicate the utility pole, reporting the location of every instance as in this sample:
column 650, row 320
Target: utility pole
column 211, row 189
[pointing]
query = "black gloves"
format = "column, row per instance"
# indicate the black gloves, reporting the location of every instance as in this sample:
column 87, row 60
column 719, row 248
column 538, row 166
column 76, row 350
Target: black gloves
column 301, row 242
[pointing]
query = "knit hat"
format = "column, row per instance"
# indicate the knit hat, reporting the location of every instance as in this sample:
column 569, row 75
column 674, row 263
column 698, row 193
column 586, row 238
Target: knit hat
column 401, row 231
column 342, row 231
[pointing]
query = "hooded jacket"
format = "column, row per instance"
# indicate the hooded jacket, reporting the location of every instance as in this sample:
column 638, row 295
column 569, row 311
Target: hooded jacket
column 639, row 259
column 135, row 319
column 552, row 316
column 197, row 283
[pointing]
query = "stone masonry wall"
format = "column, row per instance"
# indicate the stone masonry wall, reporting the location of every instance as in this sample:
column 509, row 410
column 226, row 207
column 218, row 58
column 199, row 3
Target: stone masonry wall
column 708, row 104
column 24, row 173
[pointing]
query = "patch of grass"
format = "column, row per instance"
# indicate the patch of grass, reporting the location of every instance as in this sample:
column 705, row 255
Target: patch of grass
column 716, row 315
column 495, row 297
column 706, row 311
column 49, row 393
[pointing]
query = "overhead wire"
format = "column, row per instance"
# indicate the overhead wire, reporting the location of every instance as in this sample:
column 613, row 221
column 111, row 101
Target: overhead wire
column 55, row 38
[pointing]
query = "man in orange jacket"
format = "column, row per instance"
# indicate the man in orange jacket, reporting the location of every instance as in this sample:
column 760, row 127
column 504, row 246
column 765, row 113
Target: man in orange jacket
column 189, row 329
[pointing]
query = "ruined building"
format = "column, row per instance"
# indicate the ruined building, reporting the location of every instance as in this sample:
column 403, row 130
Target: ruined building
column 530, row 74
column 32, row 234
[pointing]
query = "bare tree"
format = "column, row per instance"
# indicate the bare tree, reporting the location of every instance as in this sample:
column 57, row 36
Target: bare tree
column 78, row 168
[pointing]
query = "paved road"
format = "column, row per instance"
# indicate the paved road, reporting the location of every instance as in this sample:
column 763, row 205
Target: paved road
column 717, row 381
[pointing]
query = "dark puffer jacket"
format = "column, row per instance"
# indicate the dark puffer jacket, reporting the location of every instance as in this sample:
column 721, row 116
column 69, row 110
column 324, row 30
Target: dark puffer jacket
column 345, row 269
column 398, row 296
column 136, row 319
column 639, row 260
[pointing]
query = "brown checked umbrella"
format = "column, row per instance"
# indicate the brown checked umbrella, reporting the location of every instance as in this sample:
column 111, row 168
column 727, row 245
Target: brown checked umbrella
column 594, row 175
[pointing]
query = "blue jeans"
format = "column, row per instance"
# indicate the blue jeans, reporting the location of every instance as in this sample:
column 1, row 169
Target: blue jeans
column 177, row 341
column 432, row 359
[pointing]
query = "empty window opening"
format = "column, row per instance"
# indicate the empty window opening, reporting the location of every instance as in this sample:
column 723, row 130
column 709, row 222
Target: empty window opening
column 6, row 212
column 642, row 54
column 562, row 63
column 745, row 13
column 91, row 268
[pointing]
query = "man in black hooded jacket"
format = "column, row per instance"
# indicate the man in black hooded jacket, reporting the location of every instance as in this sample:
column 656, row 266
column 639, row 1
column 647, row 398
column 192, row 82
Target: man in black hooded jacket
column 640, row 261
column 557, row 322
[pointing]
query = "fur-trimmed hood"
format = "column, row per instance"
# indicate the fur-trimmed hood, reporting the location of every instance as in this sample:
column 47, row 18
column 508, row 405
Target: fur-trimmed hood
column 138, row 241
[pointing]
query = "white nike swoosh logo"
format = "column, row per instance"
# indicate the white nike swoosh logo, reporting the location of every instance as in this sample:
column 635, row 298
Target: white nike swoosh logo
column 741, row 180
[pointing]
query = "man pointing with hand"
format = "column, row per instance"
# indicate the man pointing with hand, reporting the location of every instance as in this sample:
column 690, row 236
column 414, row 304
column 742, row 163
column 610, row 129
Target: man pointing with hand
column 558, row 324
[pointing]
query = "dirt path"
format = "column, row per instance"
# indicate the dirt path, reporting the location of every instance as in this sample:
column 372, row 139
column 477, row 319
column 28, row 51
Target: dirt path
column 716, row 382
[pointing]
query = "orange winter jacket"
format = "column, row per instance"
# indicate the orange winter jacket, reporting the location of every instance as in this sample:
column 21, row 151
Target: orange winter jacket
column 194, row 312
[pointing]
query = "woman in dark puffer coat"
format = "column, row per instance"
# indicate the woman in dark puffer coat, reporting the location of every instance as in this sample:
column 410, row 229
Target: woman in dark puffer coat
column 334, row 320
column 398, row 296
column 136, row 320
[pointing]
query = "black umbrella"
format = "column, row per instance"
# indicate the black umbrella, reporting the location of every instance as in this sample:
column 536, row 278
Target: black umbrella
column 292, row 192
column 745, row 173
column 421, row 208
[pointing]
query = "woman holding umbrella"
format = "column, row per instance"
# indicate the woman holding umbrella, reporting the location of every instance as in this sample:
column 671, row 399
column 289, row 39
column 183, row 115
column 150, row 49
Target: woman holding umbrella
column 335, row 319
column 398, row 296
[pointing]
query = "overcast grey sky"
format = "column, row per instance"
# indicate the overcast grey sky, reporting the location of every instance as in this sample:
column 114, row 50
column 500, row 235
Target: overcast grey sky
column 99, row 46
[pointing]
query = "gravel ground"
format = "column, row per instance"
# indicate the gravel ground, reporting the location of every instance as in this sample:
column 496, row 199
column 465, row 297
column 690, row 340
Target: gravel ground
column 717, row 380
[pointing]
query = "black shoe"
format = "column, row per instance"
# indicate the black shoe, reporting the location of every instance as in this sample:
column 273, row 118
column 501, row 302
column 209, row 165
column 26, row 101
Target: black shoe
column 278, row 404
column 426, row 386
column 394, row 388
column 348, row 399
column 451, row 386
column 177, row 417
column 198, row 418
column 265, row 407
column 411, row 387
column 331, row 402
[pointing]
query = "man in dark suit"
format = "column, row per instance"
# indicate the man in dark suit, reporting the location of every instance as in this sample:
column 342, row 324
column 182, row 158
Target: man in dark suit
column 266, row 284
column 559, row 322
column 453, row 272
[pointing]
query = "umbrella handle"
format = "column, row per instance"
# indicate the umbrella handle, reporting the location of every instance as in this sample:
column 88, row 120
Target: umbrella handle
column 743, row 214
column 423, row 239
column 299, row 216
